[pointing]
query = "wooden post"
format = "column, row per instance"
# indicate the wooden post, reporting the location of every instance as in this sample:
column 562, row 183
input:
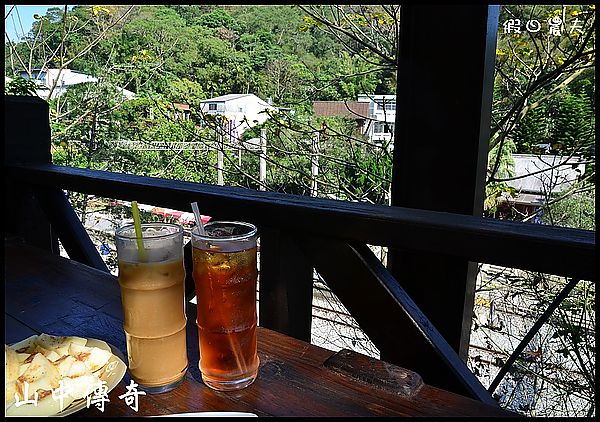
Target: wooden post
column 238, row 141
column 443, row 114
column 39, row 215
column 26, row 140
column 314, row 163
column 286, row 284
column 262, row 164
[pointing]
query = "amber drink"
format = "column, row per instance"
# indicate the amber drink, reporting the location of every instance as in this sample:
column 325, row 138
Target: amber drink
column 225, row 274
column 152, row 295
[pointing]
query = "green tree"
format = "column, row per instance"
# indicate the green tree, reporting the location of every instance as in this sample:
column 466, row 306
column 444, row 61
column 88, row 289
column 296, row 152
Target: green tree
column 218, row 18
column 20, row 86
column 87, row 122
column 534, row 67
column 573, row 128
column 186, row 91
column 575, row 210
column 532, row 133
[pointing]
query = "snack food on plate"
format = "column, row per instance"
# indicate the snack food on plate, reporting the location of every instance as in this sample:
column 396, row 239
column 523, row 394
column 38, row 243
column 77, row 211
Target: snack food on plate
column 35, row 367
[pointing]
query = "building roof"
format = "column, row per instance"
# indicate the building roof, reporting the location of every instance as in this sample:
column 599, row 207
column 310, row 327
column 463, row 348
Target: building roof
column 351, row 109
column 182, row 107
column 69, row 77
column 227, row 97
column 528, row 199
column 546, row 173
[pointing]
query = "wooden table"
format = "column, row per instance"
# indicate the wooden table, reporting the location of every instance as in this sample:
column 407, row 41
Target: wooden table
column 46, row 293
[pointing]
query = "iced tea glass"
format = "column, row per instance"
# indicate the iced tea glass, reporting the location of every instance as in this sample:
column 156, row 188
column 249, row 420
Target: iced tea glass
column 225, row 274
column 152, row 294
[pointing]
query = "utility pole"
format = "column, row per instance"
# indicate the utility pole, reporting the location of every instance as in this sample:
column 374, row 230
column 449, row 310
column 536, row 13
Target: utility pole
column 220, row 130
column 314, row 161
column 262, row 168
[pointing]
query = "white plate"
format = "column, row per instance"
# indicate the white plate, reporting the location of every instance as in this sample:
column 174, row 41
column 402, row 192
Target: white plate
column 113, row 372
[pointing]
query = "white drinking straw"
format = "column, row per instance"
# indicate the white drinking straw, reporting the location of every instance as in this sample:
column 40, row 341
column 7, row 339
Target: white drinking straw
column 198, row 218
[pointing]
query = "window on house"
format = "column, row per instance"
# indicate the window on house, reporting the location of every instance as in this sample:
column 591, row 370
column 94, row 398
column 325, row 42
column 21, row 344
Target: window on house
column 383, row 127
column 212, row 107
column 387, row 105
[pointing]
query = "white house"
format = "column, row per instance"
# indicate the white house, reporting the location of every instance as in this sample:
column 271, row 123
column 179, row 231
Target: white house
column 382, row 117
column 64, row 78
column 242, row 111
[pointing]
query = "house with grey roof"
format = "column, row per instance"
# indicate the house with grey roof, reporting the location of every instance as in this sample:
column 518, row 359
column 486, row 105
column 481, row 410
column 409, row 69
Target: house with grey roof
column 537, row 177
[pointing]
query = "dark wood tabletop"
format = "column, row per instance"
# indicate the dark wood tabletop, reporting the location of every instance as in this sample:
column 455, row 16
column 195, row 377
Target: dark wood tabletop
column 55, row 295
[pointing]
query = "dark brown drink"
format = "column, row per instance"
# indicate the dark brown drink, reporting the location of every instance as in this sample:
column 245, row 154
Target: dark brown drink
column 225, row 274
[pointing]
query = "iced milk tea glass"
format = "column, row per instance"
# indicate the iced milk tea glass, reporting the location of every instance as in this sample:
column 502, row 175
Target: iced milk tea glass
column 153, row 299
column 225, row 274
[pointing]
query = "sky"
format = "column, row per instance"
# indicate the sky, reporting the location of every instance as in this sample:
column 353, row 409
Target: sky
column 25, row 13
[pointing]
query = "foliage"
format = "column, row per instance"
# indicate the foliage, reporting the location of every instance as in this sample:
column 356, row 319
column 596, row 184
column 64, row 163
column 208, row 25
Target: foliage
column 20, row 86
column 532, row 134
column 367, row 174
column 89, row 122
column 218, row 18
column 365, row 30
column 573, row 130
column 561, row 125
column 186, row 91
column 544, row 96
column 498, row 194
column 534, row 68
column 575, row 211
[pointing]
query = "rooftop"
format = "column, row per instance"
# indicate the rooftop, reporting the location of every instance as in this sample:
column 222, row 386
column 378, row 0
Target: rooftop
column 351, row 109
column 541, row 174
column 227, row 97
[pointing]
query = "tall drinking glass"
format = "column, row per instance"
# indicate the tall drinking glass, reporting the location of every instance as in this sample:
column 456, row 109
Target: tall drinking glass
column 153, row 299
column 225, row 274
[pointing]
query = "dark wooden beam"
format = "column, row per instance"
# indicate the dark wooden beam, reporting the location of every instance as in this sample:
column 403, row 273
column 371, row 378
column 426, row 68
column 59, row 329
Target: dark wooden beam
column 188, row 263
column 26, row 140
column 26, row 130
column 446, row 60
column 69, row 229
column 380, row 306
column 286, row 284
column 553, row 250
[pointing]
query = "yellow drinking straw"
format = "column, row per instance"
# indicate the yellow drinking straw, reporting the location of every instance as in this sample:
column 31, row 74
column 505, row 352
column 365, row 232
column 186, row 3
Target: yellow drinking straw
column 138, row 230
